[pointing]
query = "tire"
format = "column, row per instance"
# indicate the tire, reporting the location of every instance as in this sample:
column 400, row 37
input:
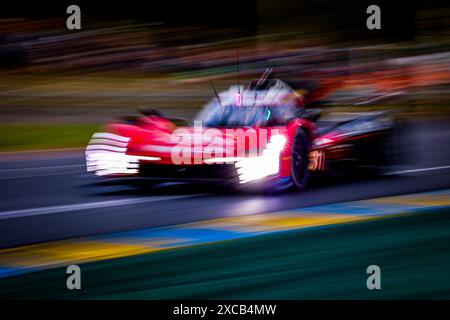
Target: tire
column 300, row 160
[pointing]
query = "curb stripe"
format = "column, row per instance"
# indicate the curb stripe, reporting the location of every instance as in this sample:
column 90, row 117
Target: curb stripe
column 127, row 243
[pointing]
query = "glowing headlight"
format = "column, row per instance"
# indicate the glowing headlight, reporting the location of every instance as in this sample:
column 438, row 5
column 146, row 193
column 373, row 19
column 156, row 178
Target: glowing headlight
column 106, row 155
column 267, row 164
column 276, row 144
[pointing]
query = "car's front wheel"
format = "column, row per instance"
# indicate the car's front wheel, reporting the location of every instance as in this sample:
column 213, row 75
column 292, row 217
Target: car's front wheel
column 300, row 160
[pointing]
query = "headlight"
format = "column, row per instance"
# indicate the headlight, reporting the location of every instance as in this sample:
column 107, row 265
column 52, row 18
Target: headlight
column 276, row 144
column 267, row 164
column 106, row 155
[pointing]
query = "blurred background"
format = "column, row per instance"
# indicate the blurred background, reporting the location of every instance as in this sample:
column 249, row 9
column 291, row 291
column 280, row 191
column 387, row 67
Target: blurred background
column 60, row 84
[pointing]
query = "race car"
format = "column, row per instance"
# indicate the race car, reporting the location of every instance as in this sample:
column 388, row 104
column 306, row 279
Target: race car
column 261, row 135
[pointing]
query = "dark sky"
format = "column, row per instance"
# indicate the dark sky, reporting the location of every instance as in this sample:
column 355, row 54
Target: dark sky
column 214, row 12
column 398, row 16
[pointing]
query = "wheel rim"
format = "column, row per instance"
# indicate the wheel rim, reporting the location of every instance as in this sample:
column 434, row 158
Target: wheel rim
column 298, row 165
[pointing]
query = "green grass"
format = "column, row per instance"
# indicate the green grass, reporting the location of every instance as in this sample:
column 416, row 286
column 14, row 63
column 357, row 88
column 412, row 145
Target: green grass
column 18, row 137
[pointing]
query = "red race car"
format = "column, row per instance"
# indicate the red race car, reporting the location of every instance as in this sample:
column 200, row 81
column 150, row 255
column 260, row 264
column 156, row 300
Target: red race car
column 256, row 135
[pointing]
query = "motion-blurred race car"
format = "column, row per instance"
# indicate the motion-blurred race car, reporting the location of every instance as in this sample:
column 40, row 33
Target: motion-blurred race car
column 260, row 135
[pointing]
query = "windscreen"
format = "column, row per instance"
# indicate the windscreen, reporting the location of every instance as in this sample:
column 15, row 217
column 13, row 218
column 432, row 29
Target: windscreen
column 216, row 115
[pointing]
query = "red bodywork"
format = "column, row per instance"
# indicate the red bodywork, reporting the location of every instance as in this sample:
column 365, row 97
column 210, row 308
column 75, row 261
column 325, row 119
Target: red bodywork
column 152, row 136
column 153, row 146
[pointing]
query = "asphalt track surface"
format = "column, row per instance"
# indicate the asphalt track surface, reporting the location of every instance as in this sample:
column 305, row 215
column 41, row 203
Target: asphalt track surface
column 49, row 196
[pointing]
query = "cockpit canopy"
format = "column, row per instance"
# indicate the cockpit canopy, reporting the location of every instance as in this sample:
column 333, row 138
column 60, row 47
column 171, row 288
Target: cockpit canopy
column 262, row 103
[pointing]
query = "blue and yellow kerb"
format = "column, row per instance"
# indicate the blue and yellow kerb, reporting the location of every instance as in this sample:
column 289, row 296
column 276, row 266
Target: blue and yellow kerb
column 122, row 244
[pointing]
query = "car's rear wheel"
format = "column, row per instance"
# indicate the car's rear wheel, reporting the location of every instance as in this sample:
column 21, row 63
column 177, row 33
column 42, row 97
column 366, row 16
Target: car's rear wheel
column 300, row 160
